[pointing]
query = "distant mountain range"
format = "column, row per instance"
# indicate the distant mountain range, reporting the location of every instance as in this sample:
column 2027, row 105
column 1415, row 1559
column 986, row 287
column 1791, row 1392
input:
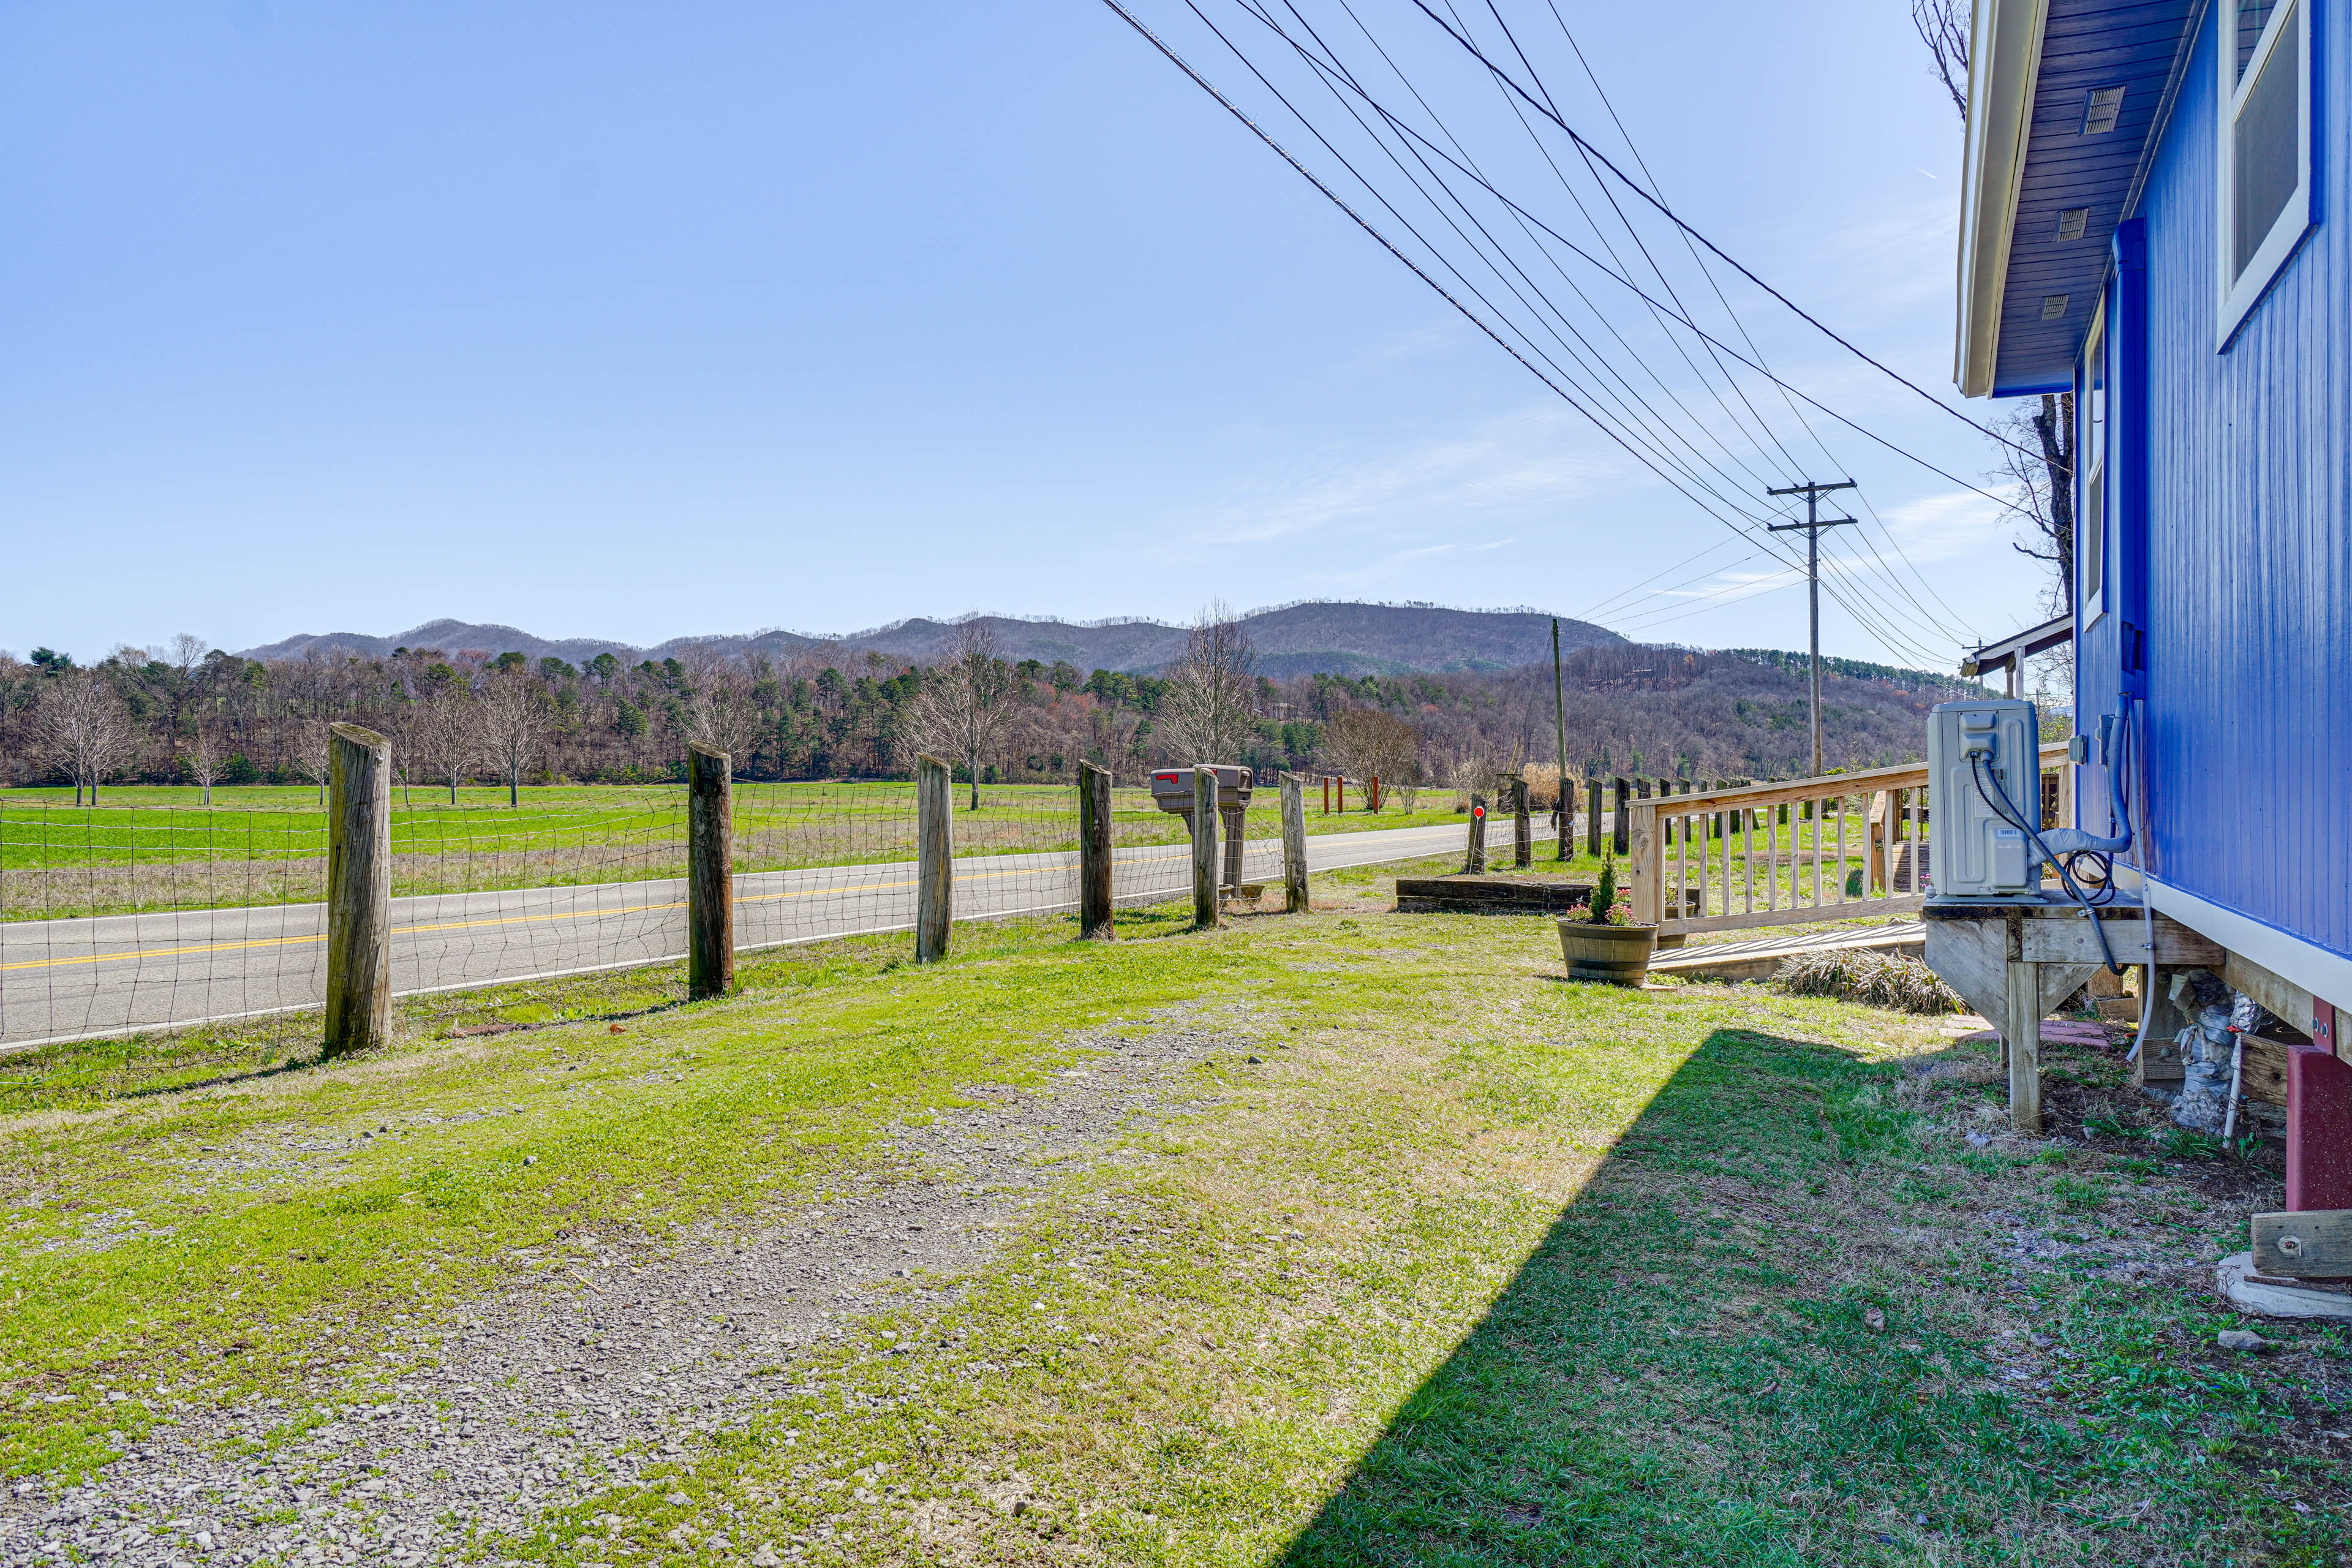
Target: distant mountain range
column 1291, row 640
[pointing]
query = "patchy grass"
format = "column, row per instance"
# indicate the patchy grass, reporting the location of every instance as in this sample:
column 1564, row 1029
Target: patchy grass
column 1469, row 1265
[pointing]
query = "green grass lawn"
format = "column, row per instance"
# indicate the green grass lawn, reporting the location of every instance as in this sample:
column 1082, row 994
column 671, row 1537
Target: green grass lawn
column 1455, row 1263
column 154, row 847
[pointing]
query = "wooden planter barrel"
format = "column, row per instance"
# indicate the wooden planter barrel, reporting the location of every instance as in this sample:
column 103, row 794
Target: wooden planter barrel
column 1616, row 956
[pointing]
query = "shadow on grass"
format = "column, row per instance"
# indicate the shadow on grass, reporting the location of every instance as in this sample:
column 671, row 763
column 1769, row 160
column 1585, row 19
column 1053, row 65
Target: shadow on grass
column 1694, row 1366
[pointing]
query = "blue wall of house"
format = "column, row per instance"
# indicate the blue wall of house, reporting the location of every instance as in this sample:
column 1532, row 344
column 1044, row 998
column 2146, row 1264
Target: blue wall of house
column 2243, row 529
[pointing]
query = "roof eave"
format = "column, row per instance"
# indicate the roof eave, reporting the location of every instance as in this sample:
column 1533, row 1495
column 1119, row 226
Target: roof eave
column 2005, row 60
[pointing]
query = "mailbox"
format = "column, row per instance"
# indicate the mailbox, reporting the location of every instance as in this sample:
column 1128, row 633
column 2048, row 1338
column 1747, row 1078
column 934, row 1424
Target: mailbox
column 1171, row 789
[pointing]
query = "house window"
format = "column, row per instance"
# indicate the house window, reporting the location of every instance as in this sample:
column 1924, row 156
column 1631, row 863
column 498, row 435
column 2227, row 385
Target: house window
column 2265, row 163
column 2091, row 453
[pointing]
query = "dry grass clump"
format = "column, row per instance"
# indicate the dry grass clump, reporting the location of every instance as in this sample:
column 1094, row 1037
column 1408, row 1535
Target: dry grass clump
column 1872, row 979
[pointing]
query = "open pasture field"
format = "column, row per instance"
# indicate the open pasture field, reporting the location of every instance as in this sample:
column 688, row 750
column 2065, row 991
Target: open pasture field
column 154, row 847
column 1346, row 1239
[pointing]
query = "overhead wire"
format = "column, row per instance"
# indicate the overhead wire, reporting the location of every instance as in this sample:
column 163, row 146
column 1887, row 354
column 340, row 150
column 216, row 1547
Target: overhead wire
column 1638, row 433
column 1675, row 218
column 1385, row 243
column 1334, row 65
column 1328, row 70
column 1617, row 275
column 1734, row 500
column 1609, row 105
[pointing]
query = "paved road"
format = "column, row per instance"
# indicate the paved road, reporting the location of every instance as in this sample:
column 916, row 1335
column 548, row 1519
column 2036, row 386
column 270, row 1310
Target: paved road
column 69, row 979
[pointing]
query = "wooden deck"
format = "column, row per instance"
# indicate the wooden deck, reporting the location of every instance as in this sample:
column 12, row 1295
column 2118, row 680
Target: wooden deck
column 1757, row 957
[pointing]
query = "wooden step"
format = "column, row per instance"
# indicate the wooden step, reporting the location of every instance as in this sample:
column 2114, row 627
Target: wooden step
column 1758, row 957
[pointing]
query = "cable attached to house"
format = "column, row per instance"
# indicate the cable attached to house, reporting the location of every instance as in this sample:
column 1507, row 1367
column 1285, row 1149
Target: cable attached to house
column 2100, row 850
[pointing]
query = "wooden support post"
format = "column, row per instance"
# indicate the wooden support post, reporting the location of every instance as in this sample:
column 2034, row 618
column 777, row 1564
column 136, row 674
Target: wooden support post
column 1204, row 846
column 709, row 873
column 1645, row 863
column 1095, row 916
column 1563, row 813
column 1293, row 845
column 1592, row 815
column 359, row 890
column 1523, row 832
column 1473, row 861
column 2021, row 1032
column 934, row 858
column 1625, row 805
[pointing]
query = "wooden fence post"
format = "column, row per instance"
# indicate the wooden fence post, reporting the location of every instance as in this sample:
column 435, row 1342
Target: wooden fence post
column 1592, row 815
column 1563, row 811
column 1625, row 803
column 1474, row 863
column 359, row 890
column 710, row 872
column 934, row 858
column 1204, row 846
column 1523, row 831
column 1293, row 845
column 1094, row 916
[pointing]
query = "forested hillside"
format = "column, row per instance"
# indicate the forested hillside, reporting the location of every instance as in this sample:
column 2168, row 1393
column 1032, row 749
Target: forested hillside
column 188, row 714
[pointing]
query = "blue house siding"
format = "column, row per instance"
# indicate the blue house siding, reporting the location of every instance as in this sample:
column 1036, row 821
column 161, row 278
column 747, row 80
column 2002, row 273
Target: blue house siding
column 2245, row 537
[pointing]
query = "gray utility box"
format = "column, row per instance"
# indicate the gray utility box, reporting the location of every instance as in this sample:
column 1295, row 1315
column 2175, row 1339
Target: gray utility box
column 1172, row 791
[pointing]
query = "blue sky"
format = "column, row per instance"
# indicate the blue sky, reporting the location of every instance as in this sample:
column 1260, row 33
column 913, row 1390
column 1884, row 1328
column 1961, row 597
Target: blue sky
column 637, row 321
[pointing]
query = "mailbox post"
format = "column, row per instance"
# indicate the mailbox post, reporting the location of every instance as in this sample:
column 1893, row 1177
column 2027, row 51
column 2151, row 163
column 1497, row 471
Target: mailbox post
column 1172, row 791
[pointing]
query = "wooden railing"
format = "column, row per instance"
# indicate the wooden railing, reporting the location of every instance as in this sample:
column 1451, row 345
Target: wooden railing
column 1842, row 846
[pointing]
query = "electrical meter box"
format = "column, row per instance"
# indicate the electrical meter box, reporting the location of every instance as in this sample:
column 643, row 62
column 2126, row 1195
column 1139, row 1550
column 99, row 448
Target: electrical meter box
column 1984, row 778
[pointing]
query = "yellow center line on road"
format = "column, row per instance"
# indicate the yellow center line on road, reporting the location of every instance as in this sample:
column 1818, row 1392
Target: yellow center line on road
column 506, row 920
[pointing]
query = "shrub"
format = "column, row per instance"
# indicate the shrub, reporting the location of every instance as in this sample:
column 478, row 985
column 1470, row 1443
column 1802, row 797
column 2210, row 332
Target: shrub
column 1872, row 979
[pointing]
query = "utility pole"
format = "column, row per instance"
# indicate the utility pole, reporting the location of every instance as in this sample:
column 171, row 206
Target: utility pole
column 1812, row 525
column 1562, row 839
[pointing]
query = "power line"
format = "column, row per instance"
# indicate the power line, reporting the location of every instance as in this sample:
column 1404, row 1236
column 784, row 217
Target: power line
column 1657, row 462
column 1612, row 273
column 1673, row 217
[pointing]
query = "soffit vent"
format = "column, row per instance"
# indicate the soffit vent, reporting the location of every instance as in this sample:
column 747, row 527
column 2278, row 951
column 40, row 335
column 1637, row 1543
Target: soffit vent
column 2105, row 107
column 2073, row 221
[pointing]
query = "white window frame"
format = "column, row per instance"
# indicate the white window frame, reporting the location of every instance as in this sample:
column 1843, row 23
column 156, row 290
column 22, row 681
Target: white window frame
column 2090, row 421
column 2242, row 292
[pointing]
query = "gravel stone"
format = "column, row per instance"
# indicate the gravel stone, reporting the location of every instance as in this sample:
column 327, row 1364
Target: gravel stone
column 606, row 1357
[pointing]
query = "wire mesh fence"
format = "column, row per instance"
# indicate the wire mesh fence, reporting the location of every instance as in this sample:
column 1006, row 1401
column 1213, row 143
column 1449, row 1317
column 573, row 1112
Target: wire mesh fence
column 148, row 917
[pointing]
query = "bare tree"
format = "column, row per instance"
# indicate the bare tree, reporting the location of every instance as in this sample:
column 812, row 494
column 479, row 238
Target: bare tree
column 440, row 732
column 1366, row 743
column 514, row 718
column 204, row 754
column 965, row 707
column 2045, row 488
column 1210, row 710
column 1944, row 28
column 316, row 746
column 88, row 728
column 722, row 711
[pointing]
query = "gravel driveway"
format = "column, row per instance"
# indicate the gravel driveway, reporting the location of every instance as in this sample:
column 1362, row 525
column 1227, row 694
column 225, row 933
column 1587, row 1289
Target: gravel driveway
column 612, row 1355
